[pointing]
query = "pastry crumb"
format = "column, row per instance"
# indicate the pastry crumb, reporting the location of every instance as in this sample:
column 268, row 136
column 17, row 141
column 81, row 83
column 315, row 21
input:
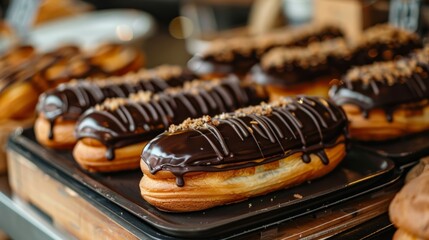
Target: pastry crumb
column 297, row 196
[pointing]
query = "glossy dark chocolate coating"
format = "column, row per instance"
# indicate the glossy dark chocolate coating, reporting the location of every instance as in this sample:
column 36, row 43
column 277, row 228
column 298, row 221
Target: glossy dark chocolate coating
column 376, row 49
column 241, row 63
column 140, row 121
column 301, row 69
column 306, row 124
column 411, row 87
column 366, row 52
column 69, row 101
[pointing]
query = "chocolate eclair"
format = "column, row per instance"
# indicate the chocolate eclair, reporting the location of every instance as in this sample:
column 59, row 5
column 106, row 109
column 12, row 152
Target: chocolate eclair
column 238, row 55
column 386, row 100
column 112, row 135
column 60, row 108
column 384, row 42
column 212, row 161
column 288, row 71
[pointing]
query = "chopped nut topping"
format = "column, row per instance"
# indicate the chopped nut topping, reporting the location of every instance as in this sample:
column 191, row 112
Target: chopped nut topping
column 111, row 104
column 390, row 72
column 312, row 55
column 189, row 123
column 201, row 123
column 193, row 87
column 224, row 50
column 385, row 33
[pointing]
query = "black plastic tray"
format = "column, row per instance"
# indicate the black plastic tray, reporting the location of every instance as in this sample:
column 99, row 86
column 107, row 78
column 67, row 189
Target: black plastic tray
column 402, row 150
column 353, row 177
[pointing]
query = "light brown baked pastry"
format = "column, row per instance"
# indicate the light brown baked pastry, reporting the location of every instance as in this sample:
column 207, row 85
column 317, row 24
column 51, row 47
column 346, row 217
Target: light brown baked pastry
column 112, row 135
column 60, row 108
column 208, row 162
column 26, row 73
column 386, row 100
column 409, row 210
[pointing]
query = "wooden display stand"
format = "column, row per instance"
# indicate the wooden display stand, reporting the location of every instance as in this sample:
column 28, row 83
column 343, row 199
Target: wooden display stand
column 75, row 215
column 66, row 208
column 6, row 128
column 352, row 15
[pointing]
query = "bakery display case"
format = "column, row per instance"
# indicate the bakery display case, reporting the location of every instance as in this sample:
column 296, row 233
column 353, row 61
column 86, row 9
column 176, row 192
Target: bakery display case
column 203, row 119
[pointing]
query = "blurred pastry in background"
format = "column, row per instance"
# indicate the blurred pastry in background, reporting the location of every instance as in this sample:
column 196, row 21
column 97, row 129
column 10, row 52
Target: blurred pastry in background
column 386, row 100
column 112, row 135
column 59, row 108
column 27, row 74
column 288, row 71
column 384, row 42
column 237, row 55
column 54, row 9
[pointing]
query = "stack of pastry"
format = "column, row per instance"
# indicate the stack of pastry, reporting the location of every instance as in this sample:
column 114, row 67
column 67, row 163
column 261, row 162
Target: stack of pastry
column 238, row 55
column 386, row 100
column 249, row 152
column 308, row 70
column 112, row 135
column 60, row 108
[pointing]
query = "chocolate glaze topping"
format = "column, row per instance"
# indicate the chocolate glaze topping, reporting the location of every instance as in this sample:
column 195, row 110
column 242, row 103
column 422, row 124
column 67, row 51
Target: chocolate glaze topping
column 386, row 85
column 241, row 53
column 122, row 122
column 383, row 43
column 69, row 101
column 287, row 66
column 248, row 137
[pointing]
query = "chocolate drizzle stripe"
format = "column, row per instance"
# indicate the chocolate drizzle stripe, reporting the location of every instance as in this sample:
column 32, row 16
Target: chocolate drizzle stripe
column 285, row 123
column 69, row 101
column 148, row 116
column 385, row 85
column 219, row 143
column 286, row 66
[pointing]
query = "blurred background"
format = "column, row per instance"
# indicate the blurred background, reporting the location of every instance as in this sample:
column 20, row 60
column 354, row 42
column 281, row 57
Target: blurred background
column 169, row 31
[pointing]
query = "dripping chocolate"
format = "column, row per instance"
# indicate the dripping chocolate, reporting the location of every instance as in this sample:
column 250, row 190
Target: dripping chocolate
column 386, row 85
column 248, row 137
column 69, row 101
column 122, row 122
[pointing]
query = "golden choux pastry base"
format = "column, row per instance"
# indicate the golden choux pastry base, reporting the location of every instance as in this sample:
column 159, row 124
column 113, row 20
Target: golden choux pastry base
column 204, row 190
column 318, row 87
column 91, row 156
column 63, row 133
column 377, row 128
